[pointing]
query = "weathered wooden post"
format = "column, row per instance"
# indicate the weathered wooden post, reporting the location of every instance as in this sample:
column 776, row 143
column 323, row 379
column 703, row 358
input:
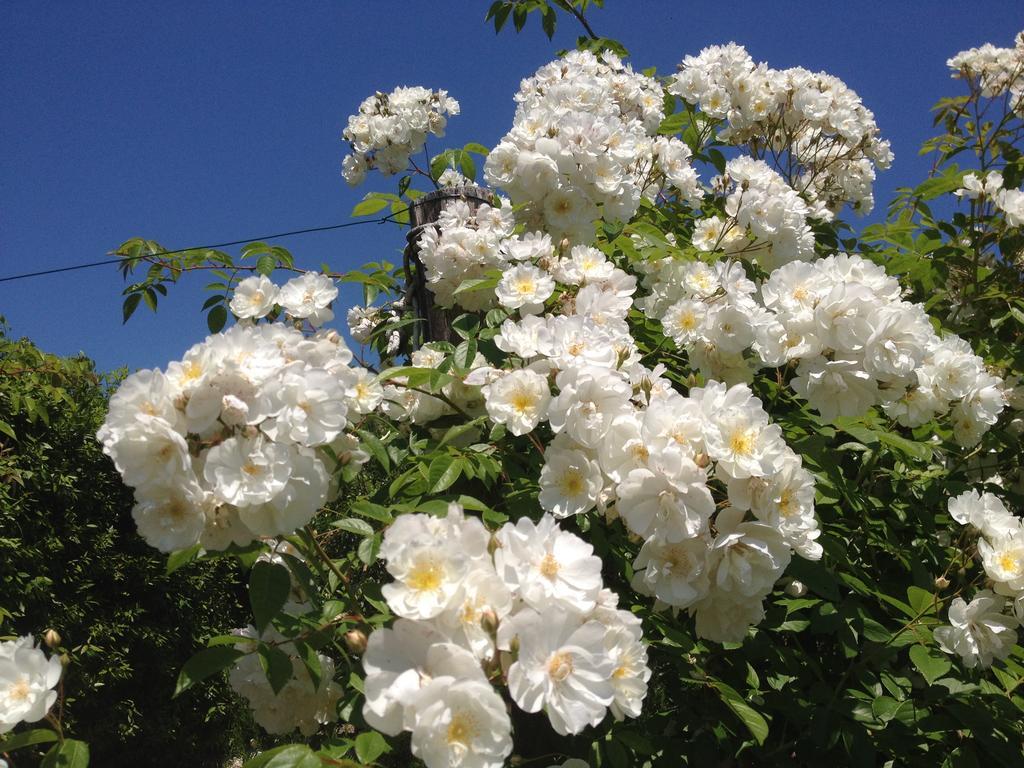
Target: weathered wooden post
column 424, row 212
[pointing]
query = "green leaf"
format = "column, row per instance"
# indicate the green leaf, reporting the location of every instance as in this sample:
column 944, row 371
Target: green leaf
column 443, row 471
column 371, row 510
column 464, row 355
column 68, row 754
column 368, row 548
column 477, row 284
column 919, row 451
column 673, row 123
column 288, row 756
column 921, row 600
column 375, row 448
column 217, row 318
column 7, row 429
column 756, row 724
column 277, row 666
column 370, row 746
column 266, row 264
column 269, row 586
column 130, row 305
column 929, row 663
column 354, row 525
column 27, row 739
column 207, row 662
column 176, row 560
column 460, row 429
column 370, row 206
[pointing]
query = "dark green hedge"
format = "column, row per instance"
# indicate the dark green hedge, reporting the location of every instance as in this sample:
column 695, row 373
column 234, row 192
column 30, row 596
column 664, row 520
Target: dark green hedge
column 70, row 559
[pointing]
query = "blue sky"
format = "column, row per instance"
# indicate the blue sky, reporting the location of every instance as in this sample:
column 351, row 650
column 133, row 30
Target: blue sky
column 200, row 122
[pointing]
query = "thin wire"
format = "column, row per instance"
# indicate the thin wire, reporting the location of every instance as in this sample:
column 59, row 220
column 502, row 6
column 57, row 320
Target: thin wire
column 122, row 259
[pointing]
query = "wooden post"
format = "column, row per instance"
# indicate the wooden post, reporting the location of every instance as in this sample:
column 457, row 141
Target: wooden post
column 424, row 212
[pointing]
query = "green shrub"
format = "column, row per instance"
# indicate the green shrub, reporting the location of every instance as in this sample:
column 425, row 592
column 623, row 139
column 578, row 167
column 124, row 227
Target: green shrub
column 70, row 559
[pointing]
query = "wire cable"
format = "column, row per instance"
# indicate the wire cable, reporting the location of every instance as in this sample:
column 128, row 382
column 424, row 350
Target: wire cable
column 276, row 236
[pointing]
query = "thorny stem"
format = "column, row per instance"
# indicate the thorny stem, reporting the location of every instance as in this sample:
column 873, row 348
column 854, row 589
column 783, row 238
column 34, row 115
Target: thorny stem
column 326, row 558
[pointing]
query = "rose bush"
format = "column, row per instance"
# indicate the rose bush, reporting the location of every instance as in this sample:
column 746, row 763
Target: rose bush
column 674, row 486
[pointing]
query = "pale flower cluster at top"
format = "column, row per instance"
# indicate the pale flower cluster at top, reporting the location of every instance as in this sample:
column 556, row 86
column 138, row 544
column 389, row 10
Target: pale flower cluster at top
column 526, row 607
column 241, row 437
column 626, row 443
column 391, row 127
column 583, row 144
column 841, row 321
column 27, row 682
column 998, row 70
column 814, row 118
column 302, row 702
column 983, row 630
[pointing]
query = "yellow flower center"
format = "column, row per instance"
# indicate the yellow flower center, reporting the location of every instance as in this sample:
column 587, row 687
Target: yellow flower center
column 251, row 469
column 191, row 371
column 461, row 729
column 560, row 666
column 525, row 285
column 1009, row 563
column 743, row 441
column 572, row 483
column 425, row 576
column 522, row 402
column 620, row 672
column 20, row 690
column 786, row 506
column 549, row 566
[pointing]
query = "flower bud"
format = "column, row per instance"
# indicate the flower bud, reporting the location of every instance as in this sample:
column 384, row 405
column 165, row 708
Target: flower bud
column 564, row 245
column 51, row 637
column 355, row 641
column 489, row 621
column 796, row 588
column 702, row 460
column 941, row 582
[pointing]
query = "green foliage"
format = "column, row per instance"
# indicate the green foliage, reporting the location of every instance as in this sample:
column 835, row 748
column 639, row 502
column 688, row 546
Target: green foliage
column 70, row 559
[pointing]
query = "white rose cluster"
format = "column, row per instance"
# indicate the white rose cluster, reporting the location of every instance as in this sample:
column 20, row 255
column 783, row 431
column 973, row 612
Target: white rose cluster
column 841, row 320
column 997, row 70
column 583, row 144
column 990, row 189
column 391, row 127
column 303, row 703
column 828, row 133
column 983, row 630
column 305, row 298
column 364, row 321
column 465, row 245
column 628, row 444
column 526, row 606
column 767, row 219
column 240, row 438
column 27, row 682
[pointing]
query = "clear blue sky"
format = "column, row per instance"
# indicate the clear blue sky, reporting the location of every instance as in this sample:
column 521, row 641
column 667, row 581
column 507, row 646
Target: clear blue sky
column 200, row 122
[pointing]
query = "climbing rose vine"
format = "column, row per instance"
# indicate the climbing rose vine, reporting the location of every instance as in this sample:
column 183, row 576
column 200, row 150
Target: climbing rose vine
column 671, row 482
